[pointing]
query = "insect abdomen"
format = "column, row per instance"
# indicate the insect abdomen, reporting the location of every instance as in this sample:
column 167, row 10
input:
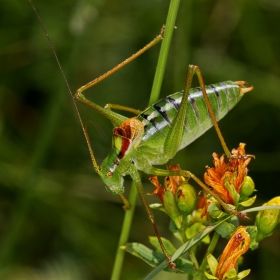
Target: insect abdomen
column 158, row 118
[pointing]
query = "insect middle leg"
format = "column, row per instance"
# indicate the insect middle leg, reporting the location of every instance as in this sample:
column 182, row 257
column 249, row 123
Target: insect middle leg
column 115, row 118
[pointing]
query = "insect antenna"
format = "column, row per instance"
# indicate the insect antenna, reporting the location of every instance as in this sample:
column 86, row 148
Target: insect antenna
column 95, row 165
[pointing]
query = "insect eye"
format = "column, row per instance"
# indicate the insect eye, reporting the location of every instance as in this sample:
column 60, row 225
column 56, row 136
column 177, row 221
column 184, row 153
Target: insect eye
column 109, row 174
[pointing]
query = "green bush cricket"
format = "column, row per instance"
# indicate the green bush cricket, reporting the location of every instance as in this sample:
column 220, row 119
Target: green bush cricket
column 155, row 135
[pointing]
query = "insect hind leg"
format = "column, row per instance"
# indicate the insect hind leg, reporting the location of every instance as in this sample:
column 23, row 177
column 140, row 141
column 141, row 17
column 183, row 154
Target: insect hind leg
column 175, row 134
column 193, row 69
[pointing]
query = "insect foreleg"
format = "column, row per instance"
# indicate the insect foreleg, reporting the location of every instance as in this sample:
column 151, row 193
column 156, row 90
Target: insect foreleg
column 115, row 118
column 123, row 108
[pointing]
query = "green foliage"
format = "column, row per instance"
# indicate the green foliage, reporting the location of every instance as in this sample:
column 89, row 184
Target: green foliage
column 154, row 258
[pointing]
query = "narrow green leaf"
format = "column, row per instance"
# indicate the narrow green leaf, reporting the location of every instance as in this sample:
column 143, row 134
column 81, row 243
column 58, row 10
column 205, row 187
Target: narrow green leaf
column 158, row 206
column 233, row 193
column 209, row 276
column 185, row 247
column 260, row 208
column 248, row 202
column 230, row 274
column 213, row 263
column 243, row 274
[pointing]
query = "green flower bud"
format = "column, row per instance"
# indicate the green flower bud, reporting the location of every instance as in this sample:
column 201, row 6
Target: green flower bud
column 171, row 208
column 247, row 187
column 267, row 220
column 186, row 198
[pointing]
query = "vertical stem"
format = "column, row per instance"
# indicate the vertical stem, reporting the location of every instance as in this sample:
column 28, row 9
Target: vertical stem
column 169, row 28
column 170, row 23
column 210, row 250
column 124, row 234
column 191, row 251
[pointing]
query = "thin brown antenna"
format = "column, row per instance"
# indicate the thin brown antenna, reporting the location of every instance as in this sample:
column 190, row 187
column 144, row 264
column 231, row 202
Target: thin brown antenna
column 95, row 165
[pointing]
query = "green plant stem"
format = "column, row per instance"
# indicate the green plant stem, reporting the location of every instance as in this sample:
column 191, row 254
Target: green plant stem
column 191, row 251
column 210, row 250
column 124, row 234
column 169, row 27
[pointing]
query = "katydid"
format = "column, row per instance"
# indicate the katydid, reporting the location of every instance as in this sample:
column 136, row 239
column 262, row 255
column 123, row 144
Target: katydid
column 154, row 136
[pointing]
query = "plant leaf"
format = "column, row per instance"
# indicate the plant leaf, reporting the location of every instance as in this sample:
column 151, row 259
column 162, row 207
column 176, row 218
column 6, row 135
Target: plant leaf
column 154, row 258
column 167, row 244
column 146, row 254
column 225, row 229
column 243, row 274
column 253, row 231
column 209, row 276
column 248, row 202
column 233, row 193
column 213, row 263
column 230, row 274
column 158, row 206
column 194, row 229
column 260, row 208
column 185, row 247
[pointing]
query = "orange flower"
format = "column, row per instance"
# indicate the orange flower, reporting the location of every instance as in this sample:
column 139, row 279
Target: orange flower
column 239, row 163
column 203, row 204
column 230, row 172
column 177, row 196
column 171, row 183
column 159, row 190
column 238, row 244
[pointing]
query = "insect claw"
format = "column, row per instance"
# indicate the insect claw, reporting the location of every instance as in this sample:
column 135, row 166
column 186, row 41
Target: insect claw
column 243, row 216
column 172, row 265
column 162, row 31
column 126, row 205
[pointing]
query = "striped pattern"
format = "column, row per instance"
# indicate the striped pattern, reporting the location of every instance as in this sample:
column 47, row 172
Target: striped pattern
column 158, row 118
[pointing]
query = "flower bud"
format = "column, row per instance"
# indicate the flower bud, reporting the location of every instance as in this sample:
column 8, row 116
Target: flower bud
column 186, row 198
column 247, row 188
column 267, row 220
column 171, row 208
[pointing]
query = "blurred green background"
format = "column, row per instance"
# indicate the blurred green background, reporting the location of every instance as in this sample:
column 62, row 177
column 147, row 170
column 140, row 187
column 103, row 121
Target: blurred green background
column 56, row 219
